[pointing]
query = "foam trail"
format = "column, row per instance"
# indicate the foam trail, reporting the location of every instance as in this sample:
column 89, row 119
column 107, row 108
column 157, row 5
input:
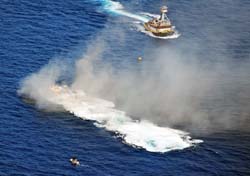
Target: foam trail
column 117, row 8
column 143, row 134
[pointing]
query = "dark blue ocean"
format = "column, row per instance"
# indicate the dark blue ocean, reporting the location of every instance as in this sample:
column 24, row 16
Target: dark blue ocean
column 34, row 141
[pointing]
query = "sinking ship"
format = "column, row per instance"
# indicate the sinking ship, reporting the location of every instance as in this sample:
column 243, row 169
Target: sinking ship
column 160, row 26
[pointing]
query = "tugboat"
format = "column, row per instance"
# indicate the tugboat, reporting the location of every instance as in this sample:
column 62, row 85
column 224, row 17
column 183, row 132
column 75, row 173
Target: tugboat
column 160, row 26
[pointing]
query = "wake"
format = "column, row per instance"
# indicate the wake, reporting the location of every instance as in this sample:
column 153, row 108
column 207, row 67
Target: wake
column 141, row 134
column 117, row 8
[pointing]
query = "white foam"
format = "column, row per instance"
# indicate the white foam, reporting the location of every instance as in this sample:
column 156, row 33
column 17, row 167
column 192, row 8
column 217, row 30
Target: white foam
column 143, row 134
column 150, row 15
column 117, row 8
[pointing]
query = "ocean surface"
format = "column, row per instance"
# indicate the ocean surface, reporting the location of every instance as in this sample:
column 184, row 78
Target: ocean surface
column 71, row 85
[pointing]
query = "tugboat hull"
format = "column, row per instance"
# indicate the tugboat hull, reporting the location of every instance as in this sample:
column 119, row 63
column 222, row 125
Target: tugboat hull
column 161, row 32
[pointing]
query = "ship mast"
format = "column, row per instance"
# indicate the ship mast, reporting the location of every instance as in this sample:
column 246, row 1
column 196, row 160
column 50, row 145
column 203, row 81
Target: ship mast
column 164, row 10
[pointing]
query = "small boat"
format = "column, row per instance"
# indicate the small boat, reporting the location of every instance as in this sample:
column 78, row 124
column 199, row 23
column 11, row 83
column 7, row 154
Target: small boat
column 160, row 26
column 74, row 161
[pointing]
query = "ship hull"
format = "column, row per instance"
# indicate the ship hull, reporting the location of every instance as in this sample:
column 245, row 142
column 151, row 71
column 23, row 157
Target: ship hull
column 162, row 32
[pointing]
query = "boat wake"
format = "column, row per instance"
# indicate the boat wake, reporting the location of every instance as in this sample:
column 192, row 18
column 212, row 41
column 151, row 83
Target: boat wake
column 117, row 8
column 141, row 134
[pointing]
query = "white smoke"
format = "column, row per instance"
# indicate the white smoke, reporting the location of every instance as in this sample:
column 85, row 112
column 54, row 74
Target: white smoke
column 81, row 99
column 37, row 85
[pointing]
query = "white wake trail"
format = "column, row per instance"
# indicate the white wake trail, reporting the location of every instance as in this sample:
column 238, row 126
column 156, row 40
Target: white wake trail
column 117, row 8
column 142, row 134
